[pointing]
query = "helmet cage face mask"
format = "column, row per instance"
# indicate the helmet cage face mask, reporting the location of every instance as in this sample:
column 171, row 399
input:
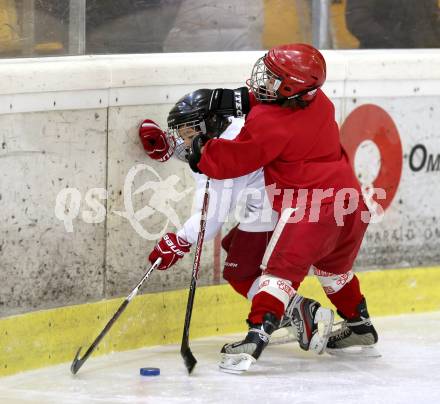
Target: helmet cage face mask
column 264, row 83
column 176, row 132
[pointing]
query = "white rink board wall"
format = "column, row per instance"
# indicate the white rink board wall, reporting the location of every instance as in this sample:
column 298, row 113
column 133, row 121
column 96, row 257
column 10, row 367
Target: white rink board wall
column 72, row 123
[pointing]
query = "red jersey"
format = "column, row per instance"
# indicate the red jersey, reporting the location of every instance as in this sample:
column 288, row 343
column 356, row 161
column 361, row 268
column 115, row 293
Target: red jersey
column 298, row 148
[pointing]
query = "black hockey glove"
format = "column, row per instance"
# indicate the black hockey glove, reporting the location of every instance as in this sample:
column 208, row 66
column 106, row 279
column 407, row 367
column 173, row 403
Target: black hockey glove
column 228, row 102
column 196, row 151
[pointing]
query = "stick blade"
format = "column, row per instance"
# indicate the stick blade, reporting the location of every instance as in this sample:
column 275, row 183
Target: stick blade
column 77, row 363
column 189, row 359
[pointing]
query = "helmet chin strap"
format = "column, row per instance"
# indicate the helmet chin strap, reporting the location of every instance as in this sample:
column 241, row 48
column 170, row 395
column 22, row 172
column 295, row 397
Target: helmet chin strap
column 305, row 92
column 297, row 98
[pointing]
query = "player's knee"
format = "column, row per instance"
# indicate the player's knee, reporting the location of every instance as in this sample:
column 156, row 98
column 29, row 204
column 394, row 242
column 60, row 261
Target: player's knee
column 333, row 283
column 247, row 288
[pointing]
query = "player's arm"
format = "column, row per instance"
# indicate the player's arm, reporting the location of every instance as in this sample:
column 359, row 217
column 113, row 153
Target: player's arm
column 174, row 246
column 221, row 158
column 220, row 199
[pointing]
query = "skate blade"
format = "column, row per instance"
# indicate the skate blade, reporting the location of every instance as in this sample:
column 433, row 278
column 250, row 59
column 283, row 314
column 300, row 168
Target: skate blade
column 283, row 336
column 236, row 363
column 355, row 352
column 319, row 340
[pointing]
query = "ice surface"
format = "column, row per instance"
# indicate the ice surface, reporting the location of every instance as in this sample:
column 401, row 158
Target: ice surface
column 407, row 372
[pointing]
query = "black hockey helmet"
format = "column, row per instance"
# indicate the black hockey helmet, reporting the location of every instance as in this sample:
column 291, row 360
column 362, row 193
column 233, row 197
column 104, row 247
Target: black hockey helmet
column 192, row 111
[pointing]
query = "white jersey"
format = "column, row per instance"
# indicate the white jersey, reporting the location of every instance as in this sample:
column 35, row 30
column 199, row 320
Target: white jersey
column 244, row 197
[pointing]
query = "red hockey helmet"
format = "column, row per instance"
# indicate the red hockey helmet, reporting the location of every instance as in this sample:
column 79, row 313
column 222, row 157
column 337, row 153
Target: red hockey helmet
column 288, row 71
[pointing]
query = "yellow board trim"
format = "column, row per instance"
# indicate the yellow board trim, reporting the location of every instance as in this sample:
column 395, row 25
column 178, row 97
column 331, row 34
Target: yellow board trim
column 50, row 337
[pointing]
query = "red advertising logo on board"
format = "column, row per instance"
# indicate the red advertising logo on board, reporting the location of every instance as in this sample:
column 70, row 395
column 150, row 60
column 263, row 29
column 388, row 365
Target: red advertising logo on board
column 371, row 122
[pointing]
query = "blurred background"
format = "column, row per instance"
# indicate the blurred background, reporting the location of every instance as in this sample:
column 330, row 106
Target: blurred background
column 30, row 28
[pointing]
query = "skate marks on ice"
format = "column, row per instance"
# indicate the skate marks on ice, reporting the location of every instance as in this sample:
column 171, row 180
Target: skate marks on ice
column 408, row 371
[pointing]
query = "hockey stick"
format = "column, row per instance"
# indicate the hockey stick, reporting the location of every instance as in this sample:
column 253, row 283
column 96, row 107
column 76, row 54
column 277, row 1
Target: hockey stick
column 77, row 361
column 185, row 350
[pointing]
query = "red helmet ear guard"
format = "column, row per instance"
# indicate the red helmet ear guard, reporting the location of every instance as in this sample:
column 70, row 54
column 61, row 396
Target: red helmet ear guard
column 299, row 69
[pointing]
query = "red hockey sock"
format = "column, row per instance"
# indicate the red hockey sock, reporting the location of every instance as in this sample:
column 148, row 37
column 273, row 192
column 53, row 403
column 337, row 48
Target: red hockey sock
column 347, row 299
column 296, row 285
column 263, row 303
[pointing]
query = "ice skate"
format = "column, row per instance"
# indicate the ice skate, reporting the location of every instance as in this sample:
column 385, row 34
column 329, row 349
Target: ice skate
column 286, row 331
column 284, row 334
column 355, row 337
column 239, row 356
column 307, row 315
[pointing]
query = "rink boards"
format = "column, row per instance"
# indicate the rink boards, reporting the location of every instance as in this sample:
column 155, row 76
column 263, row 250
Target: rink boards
column 71, row 123
column 48, row 337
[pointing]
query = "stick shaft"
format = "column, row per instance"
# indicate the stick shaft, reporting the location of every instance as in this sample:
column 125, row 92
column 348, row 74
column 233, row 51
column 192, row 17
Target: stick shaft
column 185, row 350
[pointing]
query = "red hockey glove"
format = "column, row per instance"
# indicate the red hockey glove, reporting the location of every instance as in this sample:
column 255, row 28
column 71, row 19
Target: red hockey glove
column 156, row 143
column 170, row 248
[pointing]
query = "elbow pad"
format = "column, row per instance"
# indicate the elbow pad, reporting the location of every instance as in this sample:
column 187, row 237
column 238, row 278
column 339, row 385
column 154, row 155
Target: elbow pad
column 228, row 102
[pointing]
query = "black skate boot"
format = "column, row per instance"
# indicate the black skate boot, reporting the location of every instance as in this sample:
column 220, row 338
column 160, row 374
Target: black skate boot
column 306, row 315
column 238, row 356
column 355, row 337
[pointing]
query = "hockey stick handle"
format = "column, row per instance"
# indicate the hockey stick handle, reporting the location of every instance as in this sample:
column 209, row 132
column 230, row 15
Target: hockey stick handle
column 77, row 361
column 201, row 236
column 185, row 350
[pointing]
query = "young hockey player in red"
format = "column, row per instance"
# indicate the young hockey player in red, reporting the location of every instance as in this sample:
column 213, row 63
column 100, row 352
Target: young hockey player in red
column 291, row 132
column 246, row 243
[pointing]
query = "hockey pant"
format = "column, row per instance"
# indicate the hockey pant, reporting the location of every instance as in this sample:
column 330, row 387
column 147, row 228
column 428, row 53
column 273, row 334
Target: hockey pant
column 270, row 292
